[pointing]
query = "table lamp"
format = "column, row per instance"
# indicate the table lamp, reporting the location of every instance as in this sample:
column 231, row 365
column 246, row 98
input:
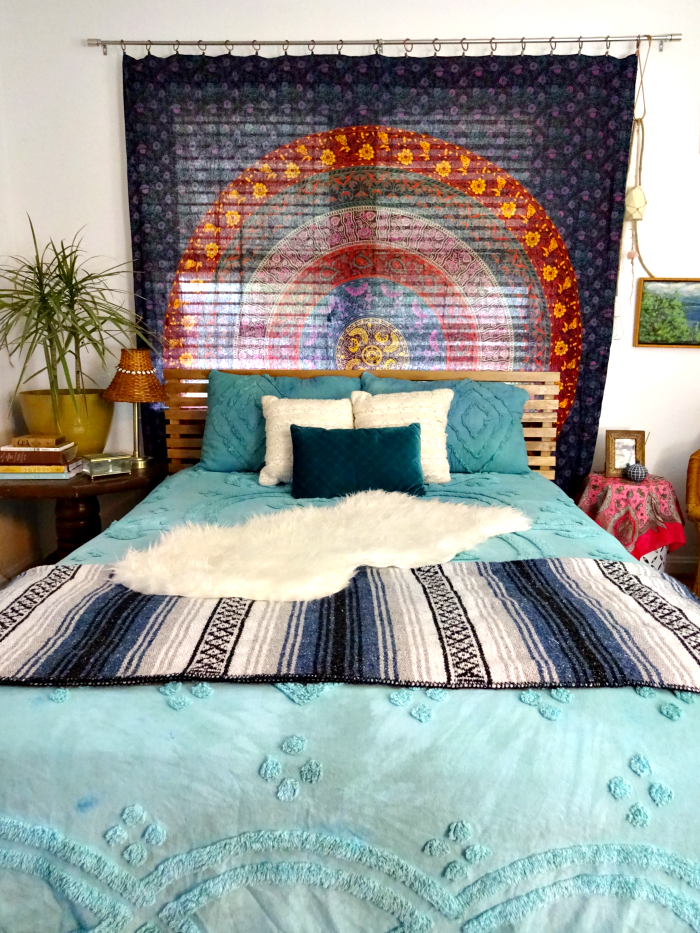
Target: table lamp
column 136, row 381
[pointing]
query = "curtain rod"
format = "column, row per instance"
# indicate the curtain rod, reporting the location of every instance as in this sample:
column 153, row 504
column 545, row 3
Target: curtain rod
column 380, row 44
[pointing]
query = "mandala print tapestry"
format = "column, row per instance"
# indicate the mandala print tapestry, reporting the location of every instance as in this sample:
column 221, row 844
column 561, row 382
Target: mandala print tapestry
column 342, row 212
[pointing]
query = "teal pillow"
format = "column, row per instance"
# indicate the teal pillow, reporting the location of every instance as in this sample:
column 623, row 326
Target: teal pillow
column 234, row 433
column 484, row 424
column 338, row 462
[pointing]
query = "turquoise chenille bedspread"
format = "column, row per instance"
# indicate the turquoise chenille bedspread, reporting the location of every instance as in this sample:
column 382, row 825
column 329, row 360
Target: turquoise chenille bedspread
column 197, row 808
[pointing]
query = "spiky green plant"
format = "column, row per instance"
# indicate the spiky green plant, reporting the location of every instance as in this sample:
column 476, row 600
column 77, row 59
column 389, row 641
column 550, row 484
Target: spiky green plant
column 51, row 302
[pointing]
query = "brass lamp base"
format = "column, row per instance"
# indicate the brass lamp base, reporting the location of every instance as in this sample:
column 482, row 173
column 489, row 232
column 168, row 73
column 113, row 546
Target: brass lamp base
column 140, row 463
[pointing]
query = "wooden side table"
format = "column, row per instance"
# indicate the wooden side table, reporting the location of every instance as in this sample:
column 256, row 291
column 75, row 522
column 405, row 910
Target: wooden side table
column 77, row 508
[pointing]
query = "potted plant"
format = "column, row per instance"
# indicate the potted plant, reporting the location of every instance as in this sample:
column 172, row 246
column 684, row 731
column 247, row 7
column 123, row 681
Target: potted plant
column 52, row 305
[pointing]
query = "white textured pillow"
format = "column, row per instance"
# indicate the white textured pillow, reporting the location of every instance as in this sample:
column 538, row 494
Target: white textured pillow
column 280, row 413
column 429, row 409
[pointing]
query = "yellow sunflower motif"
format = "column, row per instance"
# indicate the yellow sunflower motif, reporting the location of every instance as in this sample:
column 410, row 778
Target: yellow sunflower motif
column 190, row 264
column 560, row 347
column 259, row 189
column 530, row 211
column 443, row 168
column 292, row 171
column 508, row 209
column 478, row 186
column 212, row 250
column 176, row 304
column 549, row 273
column 366, row 152
column 233, row 218
column 559, row 309
column 532, row 239
column 185, row 359
column 188, row 321
column 327, row 157
column 405, row 156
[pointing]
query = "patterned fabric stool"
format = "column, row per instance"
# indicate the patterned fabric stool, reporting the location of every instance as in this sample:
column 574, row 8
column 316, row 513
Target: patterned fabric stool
column 657, row 558
column 644, row 517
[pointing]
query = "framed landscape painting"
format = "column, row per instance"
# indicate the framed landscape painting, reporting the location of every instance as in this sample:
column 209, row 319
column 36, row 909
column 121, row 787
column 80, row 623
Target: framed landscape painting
column 668, row 313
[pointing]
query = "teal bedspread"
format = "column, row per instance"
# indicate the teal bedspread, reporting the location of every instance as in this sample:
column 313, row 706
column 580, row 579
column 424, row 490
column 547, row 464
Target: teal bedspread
column 291, row 809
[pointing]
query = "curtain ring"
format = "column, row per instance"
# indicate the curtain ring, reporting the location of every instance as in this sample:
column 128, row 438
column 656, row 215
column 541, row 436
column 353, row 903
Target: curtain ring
column 493, row 44
column 256, row 46
column 437, row 46
column 149, row 44
column 552, row 45
column 522, row 46
column 123, row 45
column 176, row 46
column 202, row 46
column 311, row 46
column 580, row 45
column 285, row 46
column 607, row 45
column 465, row 48
column 229, row 46
column 339, row 46
column 406, row 43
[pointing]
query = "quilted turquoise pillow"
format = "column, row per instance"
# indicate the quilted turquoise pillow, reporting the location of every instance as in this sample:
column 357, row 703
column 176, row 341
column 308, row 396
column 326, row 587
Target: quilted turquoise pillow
column 234, row 433
column 484, row 427
column 337, row 462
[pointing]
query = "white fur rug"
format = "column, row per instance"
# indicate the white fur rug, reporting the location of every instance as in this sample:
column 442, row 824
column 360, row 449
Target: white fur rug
column 309, row 552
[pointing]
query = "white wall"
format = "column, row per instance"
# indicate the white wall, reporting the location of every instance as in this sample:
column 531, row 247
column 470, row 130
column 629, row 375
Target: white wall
column 62, row 154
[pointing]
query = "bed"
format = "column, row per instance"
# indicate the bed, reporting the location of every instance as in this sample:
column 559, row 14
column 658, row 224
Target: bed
column 198, row 807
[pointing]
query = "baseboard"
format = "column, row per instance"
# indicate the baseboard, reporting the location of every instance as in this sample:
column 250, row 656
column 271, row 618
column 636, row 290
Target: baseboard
column 684, row 564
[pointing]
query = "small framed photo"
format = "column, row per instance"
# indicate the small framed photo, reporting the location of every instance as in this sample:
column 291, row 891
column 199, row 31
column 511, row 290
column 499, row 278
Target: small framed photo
column 621, row 449
column 668, row 313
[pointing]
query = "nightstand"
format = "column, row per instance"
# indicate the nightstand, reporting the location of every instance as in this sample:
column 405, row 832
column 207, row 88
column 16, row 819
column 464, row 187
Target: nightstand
column 77, row 508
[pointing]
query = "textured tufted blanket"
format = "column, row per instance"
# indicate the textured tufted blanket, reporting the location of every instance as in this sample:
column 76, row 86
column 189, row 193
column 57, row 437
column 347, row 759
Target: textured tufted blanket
column 565, row 622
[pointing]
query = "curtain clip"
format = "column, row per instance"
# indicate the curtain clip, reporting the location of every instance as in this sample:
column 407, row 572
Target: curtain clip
column 607, row 45
column 580, row 45
column 522, row 46
column 493, row 44
column 311, row 46
column 176, row 46
column 552, row 45
column 339, row 46
column 408, row 47
column 256, row 46
column 202, row 46
column 123, row 45
column 437, row 46
column 229, row 46
column 465, row 48
column 285, row 46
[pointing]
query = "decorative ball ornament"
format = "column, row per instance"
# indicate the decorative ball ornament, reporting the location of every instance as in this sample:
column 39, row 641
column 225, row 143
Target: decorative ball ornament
column 635, row 203
column 637, row 472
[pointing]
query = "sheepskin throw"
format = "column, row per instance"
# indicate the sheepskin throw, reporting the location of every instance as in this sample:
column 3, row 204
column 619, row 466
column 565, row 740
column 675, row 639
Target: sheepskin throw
column 429, row 409
column 280, row 413
column 309, row 552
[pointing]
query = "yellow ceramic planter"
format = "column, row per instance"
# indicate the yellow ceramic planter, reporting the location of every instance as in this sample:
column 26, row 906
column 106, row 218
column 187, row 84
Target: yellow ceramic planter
column 87, row 426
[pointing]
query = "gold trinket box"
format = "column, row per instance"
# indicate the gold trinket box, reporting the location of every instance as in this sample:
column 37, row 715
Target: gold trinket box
column 96, row 465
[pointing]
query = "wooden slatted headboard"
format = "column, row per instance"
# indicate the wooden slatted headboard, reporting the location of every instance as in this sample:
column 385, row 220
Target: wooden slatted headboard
column 187, row 407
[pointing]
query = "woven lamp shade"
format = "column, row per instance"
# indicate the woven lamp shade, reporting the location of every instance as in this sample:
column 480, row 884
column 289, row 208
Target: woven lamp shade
column 135, row 380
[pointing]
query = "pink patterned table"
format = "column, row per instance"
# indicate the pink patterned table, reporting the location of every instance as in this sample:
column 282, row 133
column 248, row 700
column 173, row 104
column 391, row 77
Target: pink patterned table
column 642, row 516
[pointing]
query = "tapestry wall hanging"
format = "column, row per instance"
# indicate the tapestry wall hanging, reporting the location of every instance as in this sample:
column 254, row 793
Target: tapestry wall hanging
column 332, row 211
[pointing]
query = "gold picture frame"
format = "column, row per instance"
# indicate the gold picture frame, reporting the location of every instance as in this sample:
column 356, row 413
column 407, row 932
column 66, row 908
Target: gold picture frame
column 667, row 313
column 621, row 449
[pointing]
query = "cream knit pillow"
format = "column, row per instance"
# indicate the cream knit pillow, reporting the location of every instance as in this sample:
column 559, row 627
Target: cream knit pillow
column 280, row 413
column 429, row 409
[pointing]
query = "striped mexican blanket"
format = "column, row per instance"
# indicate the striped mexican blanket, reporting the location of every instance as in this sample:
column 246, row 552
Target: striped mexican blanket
column 532, row 623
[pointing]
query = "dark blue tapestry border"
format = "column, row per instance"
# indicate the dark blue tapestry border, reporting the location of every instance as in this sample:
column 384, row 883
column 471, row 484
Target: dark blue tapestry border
column 559, row 125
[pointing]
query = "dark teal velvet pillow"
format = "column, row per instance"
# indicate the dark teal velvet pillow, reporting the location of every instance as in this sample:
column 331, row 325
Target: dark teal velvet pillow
column 234, row 433
column 484, row 426
column 338, row 462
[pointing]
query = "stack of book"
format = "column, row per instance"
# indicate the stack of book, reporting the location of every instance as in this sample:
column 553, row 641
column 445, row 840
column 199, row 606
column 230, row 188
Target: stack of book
column 37, row 457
